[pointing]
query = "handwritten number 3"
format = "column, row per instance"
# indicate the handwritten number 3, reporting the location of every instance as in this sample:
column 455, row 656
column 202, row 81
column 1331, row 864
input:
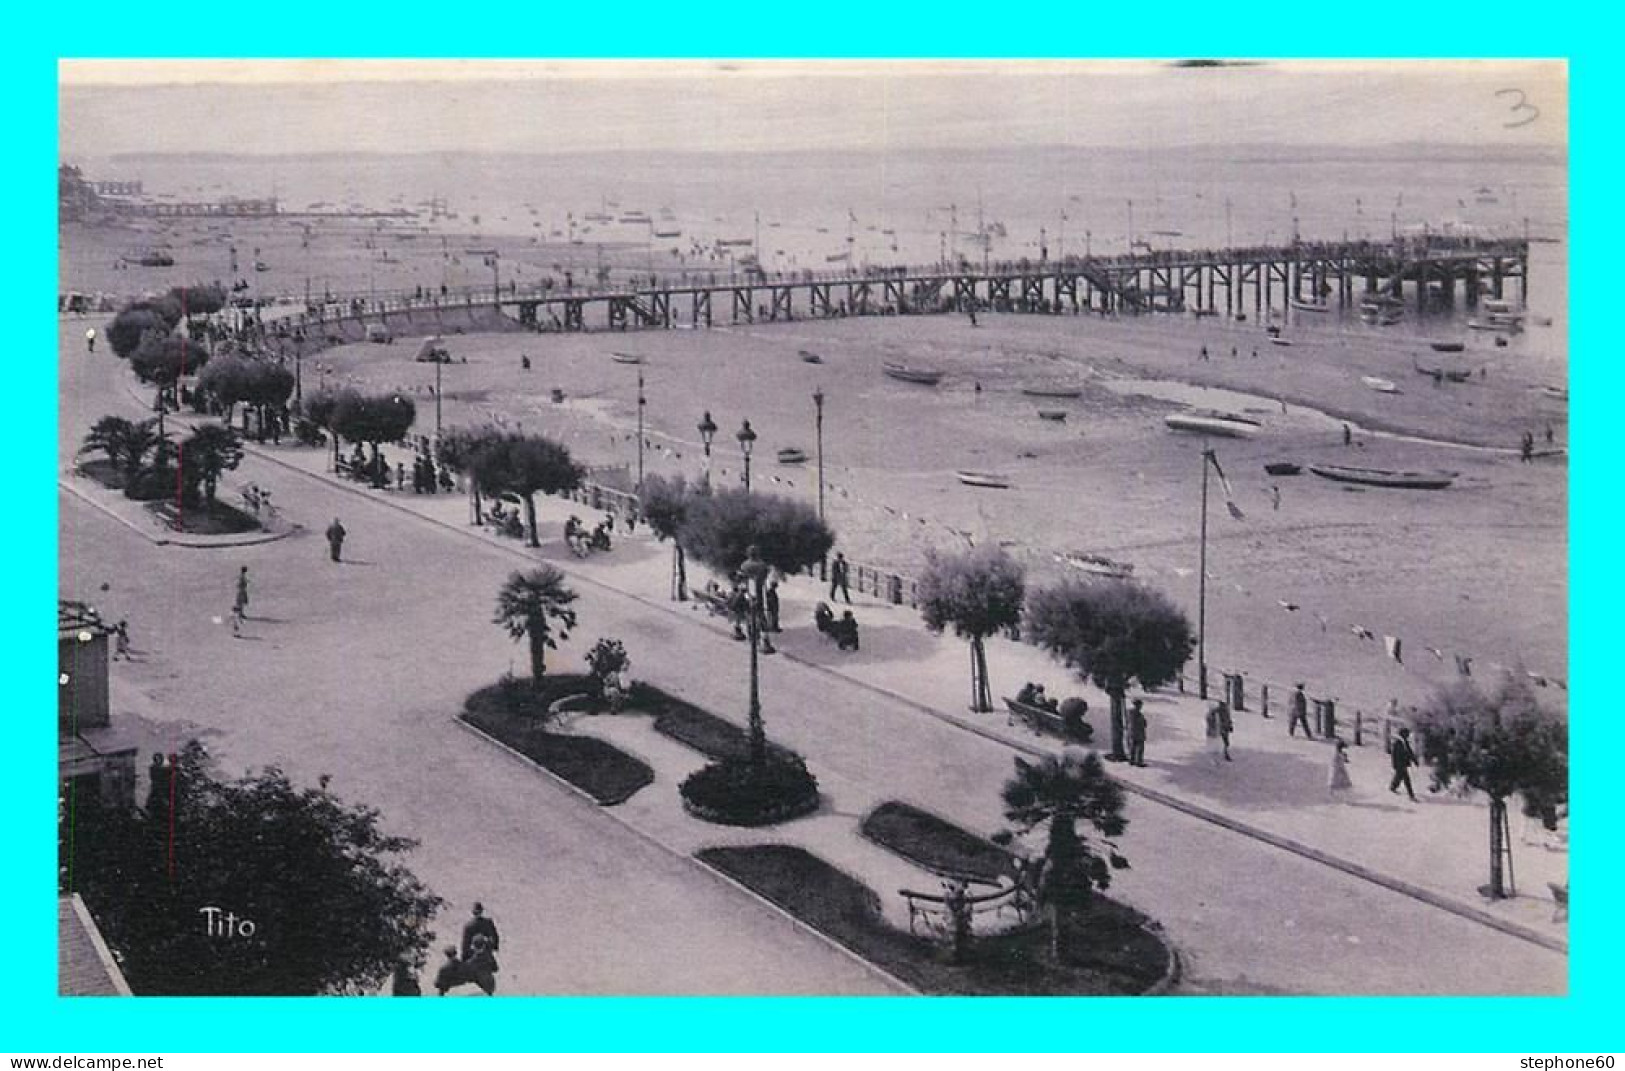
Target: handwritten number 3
column 1522, row 107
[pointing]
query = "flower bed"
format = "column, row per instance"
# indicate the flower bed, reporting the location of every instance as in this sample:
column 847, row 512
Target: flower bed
column 935, row 843
column 735, row 792
column 514, row 713
column 1114, row 950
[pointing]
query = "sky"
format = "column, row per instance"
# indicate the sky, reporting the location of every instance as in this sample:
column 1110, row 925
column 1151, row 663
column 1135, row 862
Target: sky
column 111, row 107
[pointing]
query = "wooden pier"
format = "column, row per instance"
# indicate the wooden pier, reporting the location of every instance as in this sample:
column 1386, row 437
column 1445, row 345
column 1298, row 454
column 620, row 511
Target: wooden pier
column 1425, row 274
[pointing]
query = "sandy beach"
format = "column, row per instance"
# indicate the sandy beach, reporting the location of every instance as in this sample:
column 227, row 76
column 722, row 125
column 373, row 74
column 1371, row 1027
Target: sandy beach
column 1347, row 558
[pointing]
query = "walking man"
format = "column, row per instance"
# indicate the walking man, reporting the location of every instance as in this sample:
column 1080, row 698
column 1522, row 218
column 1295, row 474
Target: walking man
column 771, row 604
column 1298, row 707
column 478, row 925
column 838, row 579
column 1403, row 759
column 239, row 605
column 90, row 339
column 1136, row 733
column 335, row 538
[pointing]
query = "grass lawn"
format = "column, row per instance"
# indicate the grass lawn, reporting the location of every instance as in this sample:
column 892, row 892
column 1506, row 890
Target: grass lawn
column 711, row 736
column 205, row 518
column 934, row 843
column 510, row 712
column 1112, row 953
column 103, row 472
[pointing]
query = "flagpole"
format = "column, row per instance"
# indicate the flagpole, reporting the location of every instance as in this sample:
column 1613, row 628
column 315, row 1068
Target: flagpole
column 1201, row 588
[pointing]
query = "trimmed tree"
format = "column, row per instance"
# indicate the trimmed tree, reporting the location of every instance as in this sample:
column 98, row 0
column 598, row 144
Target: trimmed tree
column 978, row 592
column 720, row 528
column 203, row 300
column 322, row 408
column 1115, row 633
column 1500, row 742
column 457, row 449
column 528, row 605
column 332, row 908
column 374, row 419
column 163, row 361
column 664, row 505
column 525, row 465
column 125, row 442
column 206, row 454
column 1068, row 792
column 126, row 331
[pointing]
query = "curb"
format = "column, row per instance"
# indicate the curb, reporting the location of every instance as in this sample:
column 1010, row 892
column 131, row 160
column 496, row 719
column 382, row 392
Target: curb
column 1357, row 870
column 650, row 839
column 182, row 540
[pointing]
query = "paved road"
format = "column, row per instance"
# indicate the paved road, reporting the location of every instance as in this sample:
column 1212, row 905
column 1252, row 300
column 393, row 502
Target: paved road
column 357, row 670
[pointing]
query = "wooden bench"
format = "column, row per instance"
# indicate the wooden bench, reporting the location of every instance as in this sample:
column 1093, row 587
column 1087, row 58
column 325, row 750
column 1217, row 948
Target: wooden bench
column 1042, row 721
column 714, row 601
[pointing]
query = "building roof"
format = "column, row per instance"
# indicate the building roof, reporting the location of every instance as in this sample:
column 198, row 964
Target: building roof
column 85, row 966
column 77, row 619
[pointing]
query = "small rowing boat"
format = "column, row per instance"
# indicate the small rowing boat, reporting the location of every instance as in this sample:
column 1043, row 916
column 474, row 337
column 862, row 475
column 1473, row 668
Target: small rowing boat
column 1207, row 422
column 1052, row 414
column 1448, row 347
column 1282, row 468
column 626, row 358
column 1277, row 340
column 810, row 357
column 1309, row 306
column 982, row 479
column 1420, row 481
column 792, row 455
column 1380, row 385
column 924, row 376
column 1052, row 392
column 1096, row 564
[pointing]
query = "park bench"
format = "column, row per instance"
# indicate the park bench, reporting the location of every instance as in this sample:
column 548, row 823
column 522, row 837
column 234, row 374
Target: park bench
column 714, row 601
column 1043, row 721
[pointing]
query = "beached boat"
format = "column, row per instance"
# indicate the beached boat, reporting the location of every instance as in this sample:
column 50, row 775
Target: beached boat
column 1282, row 468
column 1561, row 393
column 1309, row 306
column 1448, row 347
column 1096, row 564
column 1380, row 385
column 982, row 479
column 810, row 357
column 924, row 376
column 1052, row 392
column 626, row 358
column 1208, row 422
column 1422, row 481
column 669, row 234
column 792, row 455
column 1052, row 414
column 157, row 259
column 1277, row 340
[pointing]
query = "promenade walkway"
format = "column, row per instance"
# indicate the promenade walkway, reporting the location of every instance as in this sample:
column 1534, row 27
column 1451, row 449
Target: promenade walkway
column 890, row 722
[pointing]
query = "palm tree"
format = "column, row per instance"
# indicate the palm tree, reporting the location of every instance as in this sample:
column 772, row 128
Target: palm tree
column 527, row 606
column 1065, row 791
column 126, row 443
column 207, row 453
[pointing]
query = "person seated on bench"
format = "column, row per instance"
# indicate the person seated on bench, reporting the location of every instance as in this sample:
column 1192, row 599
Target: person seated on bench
column 846, row 632
column 1028, row 693
column 824, row 619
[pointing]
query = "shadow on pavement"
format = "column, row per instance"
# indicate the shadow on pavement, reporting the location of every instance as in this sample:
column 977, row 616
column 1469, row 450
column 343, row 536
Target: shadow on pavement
column 1259, row 780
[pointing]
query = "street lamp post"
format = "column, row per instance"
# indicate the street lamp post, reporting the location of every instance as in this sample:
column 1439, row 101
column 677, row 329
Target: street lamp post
column 755, row 571
column 438, row 361
column 1201, row 587
column 818, row 407
column 642, row 401
column 708, row 431
column 299, row 369
column 747, row 440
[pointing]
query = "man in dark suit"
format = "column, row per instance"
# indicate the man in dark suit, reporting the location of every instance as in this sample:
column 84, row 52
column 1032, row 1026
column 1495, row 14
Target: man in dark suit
column 479, row 926
column 1403, row 758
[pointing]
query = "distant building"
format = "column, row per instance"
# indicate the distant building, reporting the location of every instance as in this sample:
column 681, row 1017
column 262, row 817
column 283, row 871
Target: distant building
column 93, row 756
